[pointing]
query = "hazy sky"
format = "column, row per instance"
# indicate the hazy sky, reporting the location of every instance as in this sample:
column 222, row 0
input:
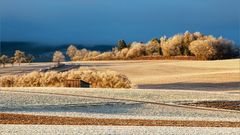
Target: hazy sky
column 106, row 21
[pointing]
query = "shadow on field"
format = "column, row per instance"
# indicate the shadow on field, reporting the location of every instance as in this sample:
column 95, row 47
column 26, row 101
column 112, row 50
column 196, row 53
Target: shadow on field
column 194, row 86
column 106, row 108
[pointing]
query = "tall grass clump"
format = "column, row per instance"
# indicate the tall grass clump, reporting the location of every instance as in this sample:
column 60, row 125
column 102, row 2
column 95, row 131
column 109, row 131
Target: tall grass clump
column 97, row 79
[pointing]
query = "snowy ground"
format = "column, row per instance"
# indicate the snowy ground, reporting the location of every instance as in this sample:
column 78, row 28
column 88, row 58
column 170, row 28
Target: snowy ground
column 80, row 106
column 112, row 130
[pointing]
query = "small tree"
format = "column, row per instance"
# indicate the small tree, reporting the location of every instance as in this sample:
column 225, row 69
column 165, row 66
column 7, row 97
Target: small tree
column 71, row 51
column 19, row 56
column 30, row 58
column 58, row 57
column 121, row 45
column 4, row 60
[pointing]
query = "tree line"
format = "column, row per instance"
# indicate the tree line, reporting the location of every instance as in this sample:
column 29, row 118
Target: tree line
column 203, row 47
column 19, row 57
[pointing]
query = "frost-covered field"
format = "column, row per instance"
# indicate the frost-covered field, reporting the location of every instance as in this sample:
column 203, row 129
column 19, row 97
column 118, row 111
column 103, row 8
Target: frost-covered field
column 73, row 102
column 152, row 95
column 113, row 130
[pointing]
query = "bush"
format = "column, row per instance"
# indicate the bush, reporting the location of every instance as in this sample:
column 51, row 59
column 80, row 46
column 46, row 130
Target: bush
column 122, row 54
column 105, row 56
column 136, row 50
column 174, row 46
column 202, row 49
column 153, row 47
column 97, row 79
column 80, row 54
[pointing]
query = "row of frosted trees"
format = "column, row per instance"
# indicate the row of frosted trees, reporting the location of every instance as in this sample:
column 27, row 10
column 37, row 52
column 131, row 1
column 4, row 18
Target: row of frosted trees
column 204, row 47
column 19, row 57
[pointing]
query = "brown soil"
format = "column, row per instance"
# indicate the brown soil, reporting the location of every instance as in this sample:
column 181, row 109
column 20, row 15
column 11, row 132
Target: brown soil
column 231, row 105
column 6, row 118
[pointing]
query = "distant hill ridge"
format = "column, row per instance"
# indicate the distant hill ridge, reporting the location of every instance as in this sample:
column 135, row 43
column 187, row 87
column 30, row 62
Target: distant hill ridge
column 44, row 52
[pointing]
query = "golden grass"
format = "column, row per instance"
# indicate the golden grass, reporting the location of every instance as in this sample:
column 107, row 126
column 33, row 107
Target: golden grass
column 97, row 79
column 173, row 71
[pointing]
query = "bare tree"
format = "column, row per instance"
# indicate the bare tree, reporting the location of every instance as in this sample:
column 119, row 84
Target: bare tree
column 4, row 60
column 29, row 58
column 58, row 57
column 19, row 56
column 12, row 60
column 71, row 51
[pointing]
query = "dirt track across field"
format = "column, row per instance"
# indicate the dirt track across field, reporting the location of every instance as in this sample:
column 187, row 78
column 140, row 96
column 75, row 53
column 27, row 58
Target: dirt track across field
column 6, row 118
column 232, row 105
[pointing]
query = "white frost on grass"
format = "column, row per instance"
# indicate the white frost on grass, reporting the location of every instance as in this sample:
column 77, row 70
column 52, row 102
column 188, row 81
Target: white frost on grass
column 163, row 96
column 112, row 130
column 40, row 104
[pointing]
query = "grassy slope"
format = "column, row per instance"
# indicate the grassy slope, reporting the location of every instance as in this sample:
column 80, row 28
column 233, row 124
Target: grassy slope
column 174, row 71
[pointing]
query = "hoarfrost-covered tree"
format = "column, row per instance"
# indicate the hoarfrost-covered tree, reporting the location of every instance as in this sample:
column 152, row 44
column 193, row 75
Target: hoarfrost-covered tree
column 71, row 51
column 19, row 57
column 136, row 50
column 80, row 54
column 58, row 57
column 202, row 49
column 174, row 46
column 4, row 60
column 153, row 47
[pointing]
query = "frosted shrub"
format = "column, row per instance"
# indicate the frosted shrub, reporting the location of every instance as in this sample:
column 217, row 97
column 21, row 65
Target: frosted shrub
column 7, row 81
column 136, row 50
column 173, row 46
column 97, row 79
column 152, row 47
column 29, row 80
column 105, row 56
column 202, row 49
column 92, row 54
column 80, row 54
column 122, row 54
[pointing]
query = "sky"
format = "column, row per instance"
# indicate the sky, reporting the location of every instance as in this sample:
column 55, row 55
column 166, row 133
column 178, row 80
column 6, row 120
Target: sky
column 106, row 21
